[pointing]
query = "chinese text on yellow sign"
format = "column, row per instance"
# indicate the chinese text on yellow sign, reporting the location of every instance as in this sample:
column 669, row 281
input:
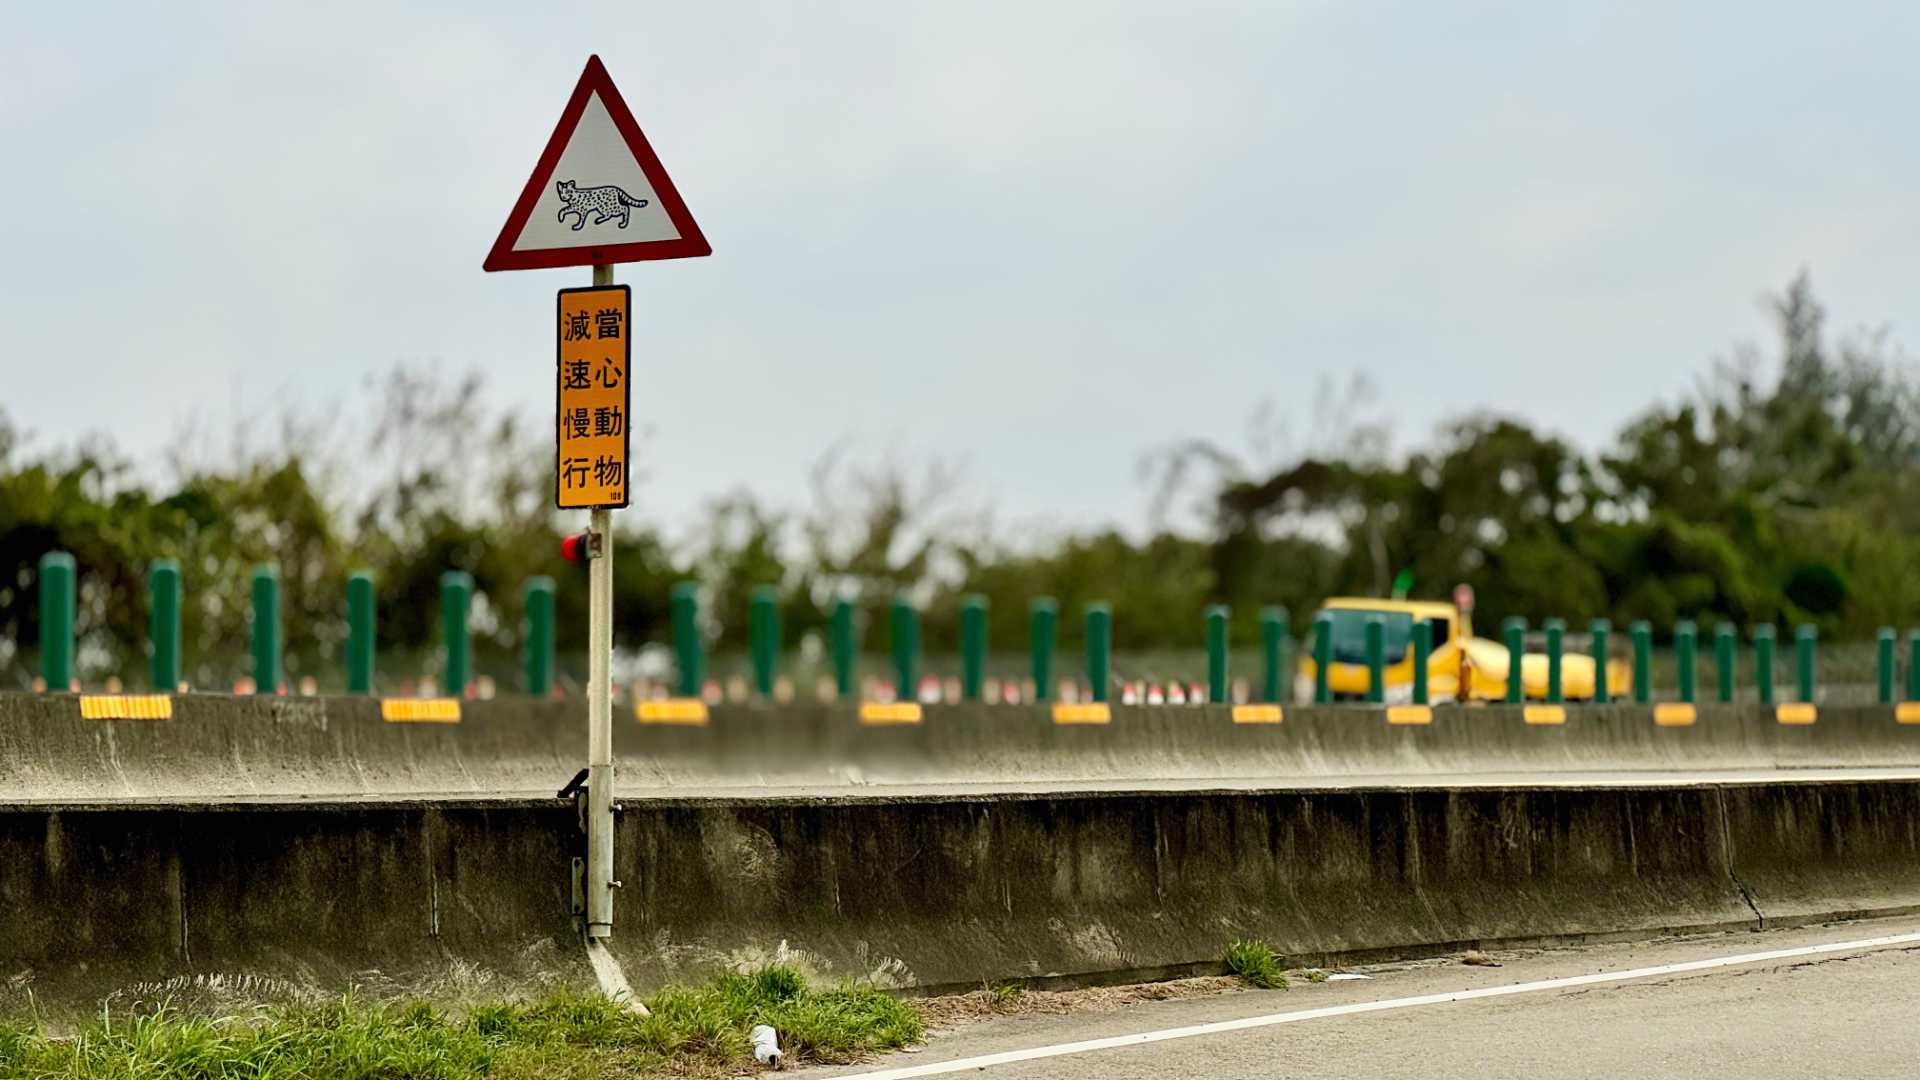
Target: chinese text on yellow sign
column 594, row 397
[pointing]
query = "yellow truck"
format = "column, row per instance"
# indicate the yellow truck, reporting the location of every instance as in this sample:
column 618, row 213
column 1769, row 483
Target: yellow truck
column 1461, row 668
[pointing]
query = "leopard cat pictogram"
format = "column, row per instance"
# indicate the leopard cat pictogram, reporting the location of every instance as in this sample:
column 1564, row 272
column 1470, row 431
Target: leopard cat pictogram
column 606, row 203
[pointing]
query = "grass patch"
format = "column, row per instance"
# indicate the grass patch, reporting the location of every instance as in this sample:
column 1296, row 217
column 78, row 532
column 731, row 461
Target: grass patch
column 1254, row 963
column 692, row 1031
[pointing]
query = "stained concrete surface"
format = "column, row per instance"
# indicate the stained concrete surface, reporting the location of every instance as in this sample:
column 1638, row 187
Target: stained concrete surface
column 225, row 748
column 1840, row 1015
column 927, row 891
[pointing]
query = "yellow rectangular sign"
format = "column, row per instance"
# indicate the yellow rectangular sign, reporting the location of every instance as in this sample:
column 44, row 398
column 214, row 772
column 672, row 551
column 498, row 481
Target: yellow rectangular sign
column 690, row 712
column 593, row 399
column 1092, row 712
column 876, row 713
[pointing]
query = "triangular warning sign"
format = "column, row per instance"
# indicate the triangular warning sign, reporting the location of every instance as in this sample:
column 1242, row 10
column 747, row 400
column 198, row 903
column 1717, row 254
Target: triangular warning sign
column 598, row 193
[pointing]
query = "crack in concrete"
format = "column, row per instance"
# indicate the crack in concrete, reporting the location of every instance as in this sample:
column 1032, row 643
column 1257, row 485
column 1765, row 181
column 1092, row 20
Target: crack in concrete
column 1726, row 850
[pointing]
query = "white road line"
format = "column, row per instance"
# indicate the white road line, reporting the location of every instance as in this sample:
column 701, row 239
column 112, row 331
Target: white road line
column 1009, row 1057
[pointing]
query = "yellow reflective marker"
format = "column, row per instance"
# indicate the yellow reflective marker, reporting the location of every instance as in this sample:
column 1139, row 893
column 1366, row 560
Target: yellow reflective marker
column 420, row 710
column 593, row 399
column 880, row 713
column 1257, row 714
column 1674, row 714
column 1545, row 714
column 1907, row 712
column 1092, row 712
column 1797, row 712
column 1409, row 714
column 126, row 707
column 689, row 712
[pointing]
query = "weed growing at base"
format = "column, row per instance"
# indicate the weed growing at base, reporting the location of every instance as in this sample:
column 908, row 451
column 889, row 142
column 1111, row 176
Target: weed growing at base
column 566, row 1035
column 1255, row 964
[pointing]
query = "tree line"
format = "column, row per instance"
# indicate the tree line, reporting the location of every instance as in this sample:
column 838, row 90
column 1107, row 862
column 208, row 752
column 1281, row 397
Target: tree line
column 1778, row 491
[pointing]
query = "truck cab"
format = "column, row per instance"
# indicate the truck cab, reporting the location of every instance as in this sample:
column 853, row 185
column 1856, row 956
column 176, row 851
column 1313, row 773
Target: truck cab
column 1462, row 667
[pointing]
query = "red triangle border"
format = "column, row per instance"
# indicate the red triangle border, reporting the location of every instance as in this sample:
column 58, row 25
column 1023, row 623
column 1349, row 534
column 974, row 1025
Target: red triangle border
column 691, row 242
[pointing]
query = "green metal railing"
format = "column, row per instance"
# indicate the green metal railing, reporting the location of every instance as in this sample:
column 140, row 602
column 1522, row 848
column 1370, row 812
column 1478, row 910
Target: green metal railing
column 973, row 672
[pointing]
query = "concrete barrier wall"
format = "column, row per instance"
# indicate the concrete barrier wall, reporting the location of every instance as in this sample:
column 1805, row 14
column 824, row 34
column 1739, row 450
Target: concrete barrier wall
column 227, row 748
column 920, row 891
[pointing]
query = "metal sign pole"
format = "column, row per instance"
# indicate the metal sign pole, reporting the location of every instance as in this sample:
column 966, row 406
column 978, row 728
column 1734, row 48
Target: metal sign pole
column 600, row 883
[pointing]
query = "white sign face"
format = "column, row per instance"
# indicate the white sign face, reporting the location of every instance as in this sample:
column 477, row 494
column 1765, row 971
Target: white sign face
column 599, row 194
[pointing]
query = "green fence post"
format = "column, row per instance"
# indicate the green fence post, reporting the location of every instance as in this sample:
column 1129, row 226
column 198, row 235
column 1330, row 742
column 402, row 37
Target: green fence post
column 1422, row 651
column 56, row 620
column 1913, row 665
column 1599, row 630
column 1322, row 657
column 163, row 623
column 1514, row 629
column 763, row 633
column 1883, row 663
column 846, row 650
column 973, row 647
column 1042, row 620
column 1685, row 636
column 906, row 647
column 1803, row 642
column 1217, row 653
column 1273, row 653
column 360, row 635
column 1723, row 662
column 1642, row 633
column 689, row 653
column 1376, row 658
column 536, row 643
column 1763, row 638
column 1556, row 647
column 266, row 630
column 1099, row 648
column 456, row 603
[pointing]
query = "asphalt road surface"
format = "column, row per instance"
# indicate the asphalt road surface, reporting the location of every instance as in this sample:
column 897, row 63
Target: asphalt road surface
column 1851, row 1010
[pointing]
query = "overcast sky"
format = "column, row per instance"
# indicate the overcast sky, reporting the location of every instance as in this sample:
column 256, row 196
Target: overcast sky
column 1039, row 237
